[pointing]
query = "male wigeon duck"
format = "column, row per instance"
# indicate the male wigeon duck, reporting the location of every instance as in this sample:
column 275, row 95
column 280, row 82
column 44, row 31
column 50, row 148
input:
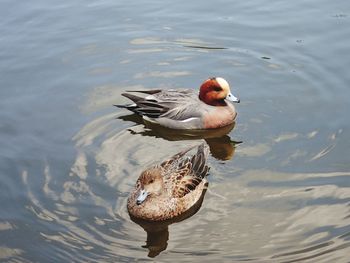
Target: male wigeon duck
column 186, row 109
column 168, row 190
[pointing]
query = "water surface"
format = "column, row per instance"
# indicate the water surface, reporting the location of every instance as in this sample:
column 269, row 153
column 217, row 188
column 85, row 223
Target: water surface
column 68, row 158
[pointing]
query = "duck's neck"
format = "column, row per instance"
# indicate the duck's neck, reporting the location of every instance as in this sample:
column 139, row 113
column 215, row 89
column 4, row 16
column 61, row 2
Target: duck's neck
column 211, row 101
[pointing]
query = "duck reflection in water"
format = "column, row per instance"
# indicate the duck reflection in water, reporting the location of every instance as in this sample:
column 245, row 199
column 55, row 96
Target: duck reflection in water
column 222, row 147
column 158, row 232
column 167, row 193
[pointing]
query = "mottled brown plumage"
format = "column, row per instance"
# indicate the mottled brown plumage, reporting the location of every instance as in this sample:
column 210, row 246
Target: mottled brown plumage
column 167, row 190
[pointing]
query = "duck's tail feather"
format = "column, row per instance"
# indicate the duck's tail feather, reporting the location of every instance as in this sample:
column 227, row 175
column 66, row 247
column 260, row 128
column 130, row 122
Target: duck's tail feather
column 131, row 106
column 125, row 106
column 142, row 106
column 132, row 97
column 199, row 161
column 150, row 111
column 176, row 157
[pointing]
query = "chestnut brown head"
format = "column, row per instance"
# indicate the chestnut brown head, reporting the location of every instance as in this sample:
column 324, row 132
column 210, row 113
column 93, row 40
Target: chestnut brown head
column 215, row 91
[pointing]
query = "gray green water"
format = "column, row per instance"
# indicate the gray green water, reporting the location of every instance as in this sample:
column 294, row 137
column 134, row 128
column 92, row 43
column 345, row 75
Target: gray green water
column 68, row 159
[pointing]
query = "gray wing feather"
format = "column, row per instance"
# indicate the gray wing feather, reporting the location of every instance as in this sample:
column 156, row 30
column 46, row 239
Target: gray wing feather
column 171, row 104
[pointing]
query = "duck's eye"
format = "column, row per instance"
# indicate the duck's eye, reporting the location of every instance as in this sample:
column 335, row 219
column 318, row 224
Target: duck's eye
column 151, row 181
column 217, row 89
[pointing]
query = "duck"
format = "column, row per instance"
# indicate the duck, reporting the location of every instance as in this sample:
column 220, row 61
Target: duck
column 168, row 190
column 185, row 109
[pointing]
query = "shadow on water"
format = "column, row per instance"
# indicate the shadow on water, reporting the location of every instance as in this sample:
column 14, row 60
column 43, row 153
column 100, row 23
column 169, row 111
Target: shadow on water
column 222, row 147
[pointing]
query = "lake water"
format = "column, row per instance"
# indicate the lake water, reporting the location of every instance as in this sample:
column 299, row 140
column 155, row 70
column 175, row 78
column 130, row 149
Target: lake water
column 68, row 158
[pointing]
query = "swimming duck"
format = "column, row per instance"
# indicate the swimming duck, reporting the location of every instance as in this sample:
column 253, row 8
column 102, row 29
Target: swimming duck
column 185, row 109
column 170, row 189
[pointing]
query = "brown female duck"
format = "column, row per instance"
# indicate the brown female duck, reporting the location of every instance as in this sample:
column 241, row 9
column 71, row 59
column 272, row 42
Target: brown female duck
column 170, row 189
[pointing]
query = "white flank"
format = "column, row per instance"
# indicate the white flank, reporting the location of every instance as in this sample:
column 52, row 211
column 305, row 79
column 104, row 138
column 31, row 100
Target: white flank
column 189, row 119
